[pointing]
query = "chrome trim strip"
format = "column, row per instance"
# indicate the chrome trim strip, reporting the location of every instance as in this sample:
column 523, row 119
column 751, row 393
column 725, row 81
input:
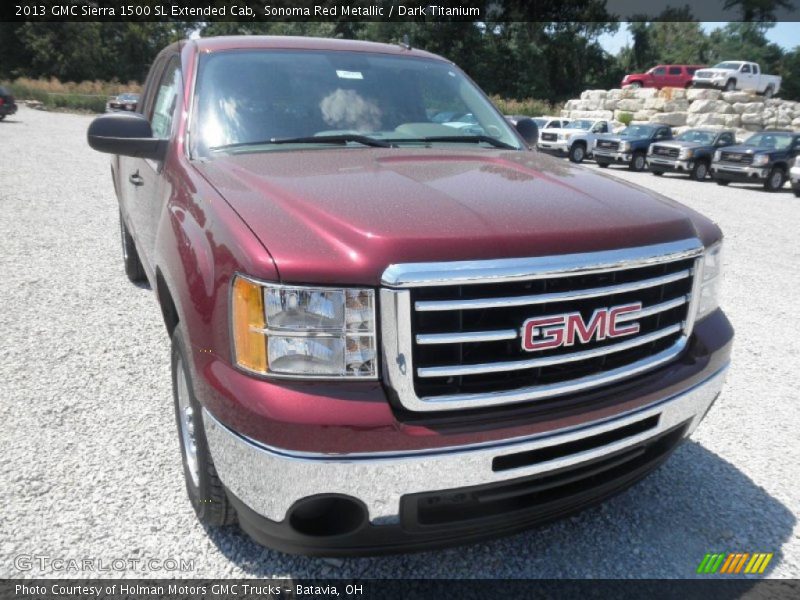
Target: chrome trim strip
column 467, row 337
column 270, row 480
column 533, row 363
column 516, row 269
column 442, row 305
column 654, row 309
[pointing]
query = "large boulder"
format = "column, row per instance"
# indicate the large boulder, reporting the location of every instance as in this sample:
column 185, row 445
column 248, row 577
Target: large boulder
column 747, row 107
column 702, row 94
column 796, row 123
column 630, row 104
column 672, row 93
column 752, row 119
column 674, row 119
column 705, row 119
column 676, row 105
column 732, row 97
column 644, row 93
column 591, row 114
column 707, row 106
column 732, row 121
column 654, row 103
column 644, row 115
column 594, row 95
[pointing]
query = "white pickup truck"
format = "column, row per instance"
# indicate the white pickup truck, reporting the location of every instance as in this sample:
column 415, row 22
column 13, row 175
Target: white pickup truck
column 575, row 139
column 737, row 75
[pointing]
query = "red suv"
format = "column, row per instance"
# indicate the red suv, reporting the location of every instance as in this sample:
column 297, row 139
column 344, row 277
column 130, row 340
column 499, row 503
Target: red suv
column 389, row 331
column 662, row 76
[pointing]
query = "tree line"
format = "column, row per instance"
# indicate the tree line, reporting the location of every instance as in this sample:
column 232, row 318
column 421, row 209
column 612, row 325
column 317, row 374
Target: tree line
column 547, row 60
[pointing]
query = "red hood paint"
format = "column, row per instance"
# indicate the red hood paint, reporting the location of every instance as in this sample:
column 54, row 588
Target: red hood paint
column 341, row 216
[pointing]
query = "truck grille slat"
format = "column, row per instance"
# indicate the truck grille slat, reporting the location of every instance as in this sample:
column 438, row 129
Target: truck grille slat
column 455, row 331
column 474, row 304
column 667, row 151
column 737, row 158
column 534, row 363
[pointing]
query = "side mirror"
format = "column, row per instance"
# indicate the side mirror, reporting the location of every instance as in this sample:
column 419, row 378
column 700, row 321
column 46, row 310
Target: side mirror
column 128, row 134
column 529, row 130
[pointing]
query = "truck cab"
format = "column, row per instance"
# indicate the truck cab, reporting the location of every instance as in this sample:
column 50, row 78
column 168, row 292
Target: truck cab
column 389, row 334
column 630, row 146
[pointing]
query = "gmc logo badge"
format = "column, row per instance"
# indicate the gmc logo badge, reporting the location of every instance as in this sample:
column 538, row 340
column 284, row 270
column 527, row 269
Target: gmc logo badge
column 541, row 333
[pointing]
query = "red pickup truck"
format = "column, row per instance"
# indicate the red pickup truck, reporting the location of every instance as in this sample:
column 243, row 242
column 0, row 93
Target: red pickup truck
column 662, row 76
column 389, row 332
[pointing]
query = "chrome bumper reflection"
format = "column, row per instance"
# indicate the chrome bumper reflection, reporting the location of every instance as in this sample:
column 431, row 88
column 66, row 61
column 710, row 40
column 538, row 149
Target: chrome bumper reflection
column 270, row 480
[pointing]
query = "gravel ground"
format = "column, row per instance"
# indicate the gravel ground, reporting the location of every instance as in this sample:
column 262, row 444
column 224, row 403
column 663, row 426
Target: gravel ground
column 89, row 460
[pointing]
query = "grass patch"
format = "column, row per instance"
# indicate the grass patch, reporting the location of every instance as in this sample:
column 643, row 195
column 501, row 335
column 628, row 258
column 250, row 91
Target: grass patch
column 530, row 107
column 88, row 96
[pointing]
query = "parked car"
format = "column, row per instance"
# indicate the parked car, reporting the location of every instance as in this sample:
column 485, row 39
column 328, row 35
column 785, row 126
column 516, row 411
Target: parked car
column 794, row 175
column 388, row 335
column 630, row 145
column 691, row 152
column 126, row 101
column 764, row 158
column 576, row 138
column 738, row 75
column 8, row 105
column 662, row 76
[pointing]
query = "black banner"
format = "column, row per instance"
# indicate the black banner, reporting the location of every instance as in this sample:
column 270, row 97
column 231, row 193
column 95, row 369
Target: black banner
column 392, row 589
column 399, row 10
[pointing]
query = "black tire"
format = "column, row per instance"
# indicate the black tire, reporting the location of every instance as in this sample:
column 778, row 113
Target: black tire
column 638, row 162
column 775, row 179
column 577, row 152
column 730, row 85
column 769, row 91
column 656, row 172
column 796, row 192
column 602, row 164
column 722, row 181
column 700, row 170
column 203, row 486
column 2, row 117
column 133, row 266
column 635, row 84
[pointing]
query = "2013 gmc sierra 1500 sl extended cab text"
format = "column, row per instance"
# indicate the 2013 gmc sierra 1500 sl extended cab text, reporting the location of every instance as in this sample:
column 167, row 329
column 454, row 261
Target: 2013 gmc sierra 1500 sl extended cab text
column 388, row 335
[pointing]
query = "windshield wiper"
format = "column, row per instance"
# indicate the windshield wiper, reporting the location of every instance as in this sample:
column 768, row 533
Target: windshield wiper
column 458, row 139
column 343, row 138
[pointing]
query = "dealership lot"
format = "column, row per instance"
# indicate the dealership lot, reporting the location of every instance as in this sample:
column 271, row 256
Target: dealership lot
column 89, row 456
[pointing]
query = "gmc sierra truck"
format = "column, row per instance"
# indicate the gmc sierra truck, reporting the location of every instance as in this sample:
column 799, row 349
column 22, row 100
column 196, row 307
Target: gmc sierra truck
column 691, row 152
column 737, row 75
column 629, row 146
column 575, row 139
column 765, row 157
column 388, row 334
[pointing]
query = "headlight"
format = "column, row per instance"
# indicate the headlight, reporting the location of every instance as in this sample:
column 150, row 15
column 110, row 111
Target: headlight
column 625, row 146
column 760, row 159
column 797, row 161
column 712, row 278
column 686, row 153
column 717, row 155
column 298, row 331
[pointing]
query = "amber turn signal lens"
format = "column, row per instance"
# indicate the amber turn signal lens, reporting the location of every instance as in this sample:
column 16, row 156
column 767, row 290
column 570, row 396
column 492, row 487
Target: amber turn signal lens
column 250, row 344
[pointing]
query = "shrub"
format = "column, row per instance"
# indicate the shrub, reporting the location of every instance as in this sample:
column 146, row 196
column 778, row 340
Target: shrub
column 84, row 96
column 625, row 118
column 530, row 107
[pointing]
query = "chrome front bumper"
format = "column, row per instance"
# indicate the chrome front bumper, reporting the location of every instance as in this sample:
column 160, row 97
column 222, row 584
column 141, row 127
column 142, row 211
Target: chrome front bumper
column 559, row 146
column 670, row 163
column 740, row 171
column 270, row 481
column 616, row 156
column 794, row 176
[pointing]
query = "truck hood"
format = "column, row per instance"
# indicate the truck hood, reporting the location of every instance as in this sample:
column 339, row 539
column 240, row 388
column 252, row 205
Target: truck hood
column 344, row 215
column 681, row 144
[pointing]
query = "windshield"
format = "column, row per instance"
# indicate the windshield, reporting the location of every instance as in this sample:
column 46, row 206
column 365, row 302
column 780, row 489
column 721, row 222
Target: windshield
column 775, row 141
column 579, row 124
column 637, row 131
column 128, row 97
column 697, row 136
column 731, row 66
column 264, row 100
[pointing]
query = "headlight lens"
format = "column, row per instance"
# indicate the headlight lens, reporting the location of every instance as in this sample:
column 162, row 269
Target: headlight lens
column 760, row 159
column 625, row 146
column 717, row 155
column 686, row 153
column 304, row 331
column 797, row 161
column 712, row 278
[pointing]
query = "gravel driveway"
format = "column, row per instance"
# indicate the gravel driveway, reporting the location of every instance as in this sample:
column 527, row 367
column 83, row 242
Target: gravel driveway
column 89, row 460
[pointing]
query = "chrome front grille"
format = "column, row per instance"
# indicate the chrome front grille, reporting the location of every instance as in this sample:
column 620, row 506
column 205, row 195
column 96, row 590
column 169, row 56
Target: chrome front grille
column 667, row 151
column 737, row 158
column 608, row 145
column 549, row 137
column 452, row 332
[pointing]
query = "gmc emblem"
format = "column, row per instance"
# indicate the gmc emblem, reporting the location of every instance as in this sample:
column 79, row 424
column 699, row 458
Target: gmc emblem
column 554, row 331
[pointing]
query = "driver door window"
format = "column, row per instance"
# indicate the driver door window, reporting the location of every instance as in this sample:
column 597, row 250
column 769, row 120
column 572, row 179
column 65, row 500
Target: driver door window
column 165, row 100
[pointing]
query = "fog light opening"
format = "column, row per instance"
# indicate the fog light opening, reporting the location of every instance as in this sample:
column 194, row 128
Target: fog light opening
column 328, row 515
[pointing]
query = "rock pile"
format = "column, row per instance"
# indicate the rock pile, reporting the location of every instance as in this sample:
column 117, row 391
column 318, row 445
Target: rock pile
column 743, row 111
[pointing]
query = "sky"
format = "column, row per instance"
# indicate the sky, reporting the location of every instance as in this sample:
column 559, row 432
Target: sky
column 785, row 34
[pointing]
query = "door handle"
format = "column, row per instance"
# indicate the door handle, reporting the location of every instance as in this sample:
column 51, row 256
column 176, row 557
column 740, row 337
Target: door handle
column 136, row 179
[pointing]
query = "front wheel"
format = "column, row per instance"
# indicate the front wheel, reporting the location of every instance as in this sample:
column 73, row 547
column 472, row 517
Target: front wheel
column 203, row 486
column 730, row 85
column 775, row 180
column 700, row 171
column 796, row 192
column 722, row 182
column 602, row 164
column 636, row 84
column 638, row 162
column 656, row 172
column 577, row 153
column 769, row 92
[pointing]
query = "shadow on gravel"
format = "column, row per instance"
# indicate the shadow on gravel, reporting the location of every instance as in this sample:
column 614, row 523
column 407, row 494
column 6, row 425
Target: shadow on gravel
column 662, row 527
